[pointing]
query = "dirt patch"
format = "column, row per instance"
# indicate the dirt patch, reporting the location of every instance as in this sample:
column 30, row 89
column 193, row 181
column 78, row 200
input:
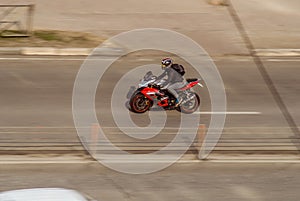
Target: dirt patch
column 53, row 38
column 218, row 2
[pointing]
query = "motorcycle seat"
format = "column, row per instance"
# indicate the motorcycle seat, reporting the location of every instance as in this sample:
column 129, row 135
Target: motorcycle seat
column 191, row 79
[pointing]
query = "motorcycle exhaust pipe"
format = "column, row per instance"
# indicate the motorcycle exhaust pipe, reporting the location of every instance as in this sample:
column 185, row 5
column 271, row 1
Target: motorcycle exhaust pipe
column 190, row 98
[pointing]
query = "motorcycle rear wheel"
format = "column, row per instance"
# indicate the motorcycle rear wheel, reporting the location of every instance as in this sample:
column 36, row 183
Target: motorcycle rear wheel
column 139, row 103
column 190, row 106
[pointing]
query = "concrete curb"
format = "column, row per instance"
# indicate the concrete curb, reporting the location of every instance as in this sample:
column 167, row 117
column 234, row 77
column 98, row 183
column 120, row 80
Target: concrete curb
column 55, row 51
column 254, row 157
column 116, row 51
column 51, row 51
column 277, row 52
column 113, row 158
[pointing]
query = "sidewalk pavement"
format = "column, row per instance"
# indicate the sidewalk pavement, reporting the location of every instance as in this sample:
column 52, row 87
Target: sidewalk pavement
column 272, row 25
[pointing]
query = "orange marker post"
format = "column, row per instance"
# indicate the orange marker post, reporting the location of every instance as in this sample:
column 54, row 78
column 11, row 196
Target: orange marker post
column 94, row 137
column 201, row 134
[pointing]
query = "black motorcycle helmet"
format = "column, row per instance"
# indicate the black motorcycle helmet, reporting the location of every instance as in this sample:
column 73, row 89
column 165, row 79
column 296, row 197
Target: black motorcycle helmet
column 166, row 62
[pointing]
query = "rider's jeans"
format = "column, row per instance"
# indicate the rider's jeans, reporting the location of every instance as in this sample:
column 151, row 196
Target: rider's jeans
column 177, row 85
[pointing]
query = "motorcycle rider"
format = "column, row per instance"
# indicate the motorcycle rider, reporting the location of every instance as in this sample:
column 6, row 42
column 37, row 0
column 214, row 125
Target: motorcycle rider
column 175, row 79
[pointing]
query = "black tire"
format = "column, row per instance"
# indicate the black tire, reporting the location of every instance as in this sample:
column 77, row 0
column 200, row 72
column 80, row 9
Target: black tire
column 190, row 106
column 139, row 103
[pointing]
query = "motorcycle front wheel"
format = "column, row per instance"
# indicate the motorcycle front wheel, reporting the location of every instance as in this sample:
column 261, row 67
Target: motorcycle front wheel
column 190, row 106
column 139, row 103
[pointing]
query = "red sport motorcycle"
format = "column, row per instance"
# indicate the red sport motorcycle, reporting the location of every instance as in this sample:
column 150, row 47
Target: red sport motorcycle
column 149, row 94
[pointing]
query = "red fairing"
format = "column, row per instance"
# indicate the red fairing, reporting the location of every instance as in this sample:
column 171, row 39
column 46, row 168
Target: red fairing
column 163, row 103
column 150, row 93
column 189, row 85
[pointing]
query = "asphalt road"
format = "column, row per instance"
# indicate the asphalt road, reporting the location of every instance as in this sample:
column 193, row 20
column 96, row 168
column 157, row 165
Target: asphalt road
column 38, row 91
column 36, row 102
column 191, row 182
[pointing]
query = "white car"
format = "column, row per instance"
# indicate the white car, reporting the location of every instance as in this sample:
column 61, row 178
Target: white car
column 43, row 194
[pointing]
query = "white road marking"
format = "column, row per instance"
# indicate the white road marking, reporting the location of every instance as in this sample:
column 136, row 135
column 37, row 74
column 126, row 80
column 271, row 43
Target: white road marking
column 141, row 59
column 144, row 12
column 227, row 112
column 64, row 59
column 277, row 52
column 57, row 58
column 284, row 60
column 50, row 59
column 62, row 127
column 14, row 162
column 8, row 162
column 255, row 161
